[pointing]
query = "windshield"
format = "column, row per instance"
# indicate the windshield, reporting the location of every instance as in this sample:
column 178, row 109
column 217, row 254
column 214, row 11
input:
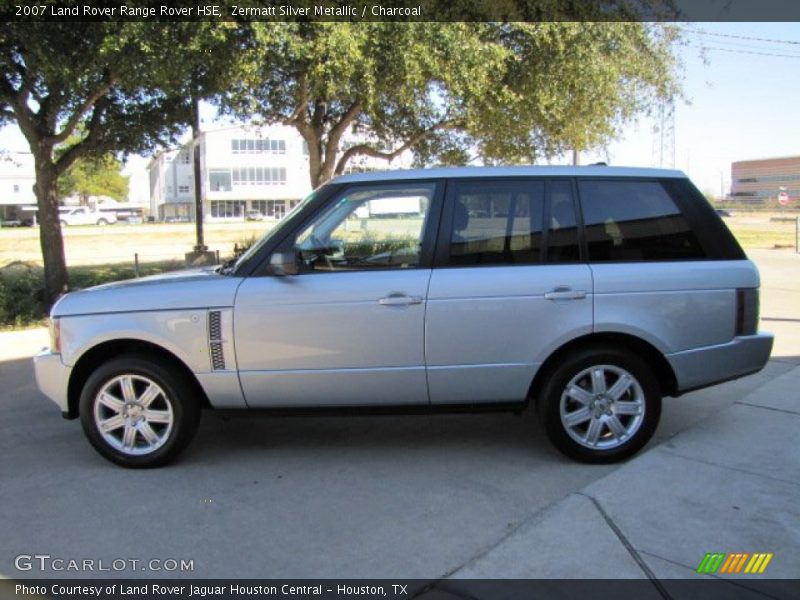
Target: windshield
column 252, row 250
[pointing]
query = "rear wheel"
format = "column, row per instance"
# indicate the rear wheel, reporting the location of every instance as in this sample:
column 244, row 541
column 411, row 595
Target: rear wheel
column 600, row 405
column 138, row 413
column 102, row 222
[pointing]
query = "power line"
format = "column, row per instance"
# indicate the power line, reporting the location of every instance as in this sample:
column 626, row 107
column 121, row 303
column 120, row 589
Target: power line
column 747, row 37
column 703, row 47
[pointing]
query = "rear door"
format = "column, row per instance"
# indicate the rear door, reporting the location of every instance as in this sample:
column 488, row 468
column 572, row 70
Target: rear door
column 508, row 288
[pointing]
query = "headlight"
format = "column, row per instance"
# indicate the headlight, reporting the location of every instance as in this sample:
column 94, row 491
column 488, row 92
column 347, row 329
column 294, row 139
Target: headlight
column 55, row 335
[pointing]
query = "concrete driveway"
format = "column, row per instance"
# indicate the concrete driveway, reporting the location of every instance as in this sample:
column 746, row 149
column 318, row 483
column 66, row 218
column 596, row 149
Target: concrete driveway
column 410, row 497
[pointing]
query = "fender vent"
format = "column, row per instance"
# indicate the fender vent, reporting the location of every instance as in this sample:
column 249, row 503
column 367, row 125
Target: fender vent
column 215, row 340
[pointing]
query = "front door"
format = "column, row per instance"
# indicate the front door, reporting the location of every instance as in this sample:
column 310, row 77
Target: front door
column 348, row 329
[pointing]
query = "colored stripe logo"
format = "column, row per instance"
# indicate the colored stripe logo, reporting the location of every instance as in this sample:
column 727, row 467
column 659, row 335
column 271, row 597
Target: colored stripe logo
column 734, row 563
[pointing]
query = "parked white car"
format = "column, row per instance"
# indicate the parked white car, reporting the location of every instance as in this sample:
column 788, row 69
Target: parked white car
column 83, row 215
column 588, row 293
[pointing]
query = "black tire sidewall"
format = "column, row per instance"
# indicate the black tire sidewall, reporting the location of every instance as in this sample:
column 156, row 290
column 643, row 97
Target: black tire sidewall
column 549, row 401
column 185, row 409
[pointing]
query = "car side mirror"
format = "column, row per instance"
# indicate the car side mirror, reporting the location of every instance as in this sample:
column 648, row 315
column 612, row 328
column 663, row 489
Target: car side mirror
column 284, row 263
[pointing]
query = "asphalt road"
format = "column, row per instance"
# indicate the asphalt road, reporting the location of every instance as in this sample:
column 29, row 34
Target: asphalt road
column 412, row 497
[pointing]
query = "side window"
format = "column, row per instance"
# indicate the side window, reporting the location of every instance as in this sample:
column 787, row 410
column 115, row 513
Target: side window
column 562, row 227
column 497, row 222
column 367, row 228
column 634, row 221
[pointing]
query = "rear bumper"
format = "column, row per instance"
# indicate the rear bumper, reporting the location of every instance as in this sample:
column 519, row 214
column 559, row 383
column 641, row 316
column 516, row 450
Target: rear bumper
column 52, row 377
column 702, row 367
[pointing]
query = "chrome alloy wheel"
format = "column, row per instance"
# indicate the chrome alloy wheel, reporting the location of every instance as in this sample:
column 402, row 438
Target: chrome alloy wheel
column 133, row 414
column 602, row 407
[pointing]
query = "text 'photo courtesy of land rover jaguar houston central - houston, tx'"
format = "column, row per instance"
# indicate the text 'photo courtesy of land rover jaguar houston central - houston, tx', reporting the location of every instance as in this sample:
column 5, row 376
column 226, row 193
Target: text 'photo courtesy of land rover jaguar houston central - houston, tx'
column 586, row 293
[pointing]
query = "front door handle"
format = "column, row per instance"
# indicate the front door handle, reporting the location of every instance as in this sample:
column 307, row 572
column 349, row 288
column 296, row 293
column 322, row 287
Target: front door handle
column 399, row 300
column 563, row 292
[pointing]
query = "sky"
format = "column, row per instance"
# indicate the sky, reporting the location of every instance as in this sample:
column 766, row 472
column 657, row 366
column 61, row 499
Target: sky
column 742, row 101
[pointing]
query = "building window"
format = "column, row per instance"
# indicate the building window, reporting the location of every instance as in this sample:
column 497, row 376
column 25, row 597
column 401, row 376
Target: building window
column 185, row 157
column 258, row 146
column 183, row 189
column 227, row 208
column 259, row 176
column 219, row 180
column 16, row 187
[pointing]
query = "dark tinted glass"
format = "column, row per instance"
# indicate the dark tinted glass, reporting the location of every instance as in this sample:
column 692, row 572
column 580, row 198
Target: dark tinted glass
column 562, row 233
column 634, row 220
column 497, row 222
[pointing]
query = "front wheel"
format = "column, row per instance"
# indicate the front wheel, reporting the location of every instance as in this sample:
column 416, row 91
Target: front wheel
column 102, row 222
column 600, row 405
column 138, row 413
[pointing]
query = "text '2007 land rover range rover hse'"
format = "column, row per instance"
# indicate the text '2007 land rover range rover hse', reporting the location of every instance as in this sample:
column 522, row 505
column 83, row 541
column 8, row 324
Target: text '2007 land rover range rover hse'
column 588, row 292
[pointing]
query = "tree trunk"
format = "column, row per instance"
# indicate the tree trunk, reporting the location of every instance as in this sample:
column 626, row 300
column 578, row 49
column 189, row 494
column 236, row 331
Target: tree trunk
column 56, row 280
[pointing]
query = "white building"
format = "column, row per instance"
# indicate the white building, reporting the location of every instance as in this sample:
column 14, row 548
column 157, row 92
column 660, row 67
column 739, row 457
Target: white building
column 17, row 176
column 244, row 169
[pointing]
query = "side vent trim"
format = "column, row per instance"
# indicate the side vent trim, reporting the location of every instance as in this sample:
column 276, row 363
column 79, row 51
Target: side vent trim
column 215, row 340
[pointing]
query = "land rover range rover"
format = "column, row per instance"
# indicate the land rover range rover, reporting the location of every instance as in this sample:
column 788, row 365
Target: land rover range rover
column 588, row 293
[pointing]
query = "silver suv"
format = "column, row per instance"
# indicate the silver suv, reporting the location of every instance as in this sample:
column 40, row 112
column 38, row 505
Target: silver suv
column 587, row 292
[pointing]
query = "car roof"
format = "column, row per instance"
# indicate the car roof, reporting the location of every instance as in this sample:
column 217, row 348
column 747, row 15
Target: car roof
column 517, row 171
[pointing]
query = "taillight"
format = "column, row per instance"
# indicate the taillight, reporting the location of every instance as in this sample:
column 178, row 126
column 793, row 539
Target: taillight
column 746, row 311
column 55, row 335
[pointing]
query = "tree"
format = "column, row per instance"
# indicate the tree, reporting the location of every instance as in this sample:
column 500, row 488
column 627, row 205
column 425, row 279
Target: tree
column 80, row 90
column 507, row 92
column 89, row 176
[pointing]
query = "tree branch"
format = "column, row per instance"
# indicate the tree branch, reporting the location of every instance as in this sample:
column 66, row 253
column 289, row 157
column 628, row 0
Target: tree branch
column 74, row 152
column 336, row 133
column 305, row 97
column 367, row 150
column 76, row 117
column 22, row 114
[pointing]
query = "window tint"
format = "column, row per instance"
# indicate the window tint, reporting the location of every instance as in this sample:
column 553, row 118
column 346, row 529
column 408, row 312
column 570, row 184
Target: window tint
column 497, row 222
column 365, row 228
column 562, row 231
column 634, row 220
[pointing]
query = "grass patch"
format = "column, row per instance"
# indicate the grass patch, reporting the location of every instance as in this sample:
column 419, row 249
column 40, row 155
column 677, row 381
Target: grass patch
column 22, row 287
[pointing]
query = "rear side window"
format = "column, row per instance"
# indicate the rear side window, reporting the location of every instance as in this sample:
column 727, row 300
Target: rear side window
column 629, row 220
column 497, row 223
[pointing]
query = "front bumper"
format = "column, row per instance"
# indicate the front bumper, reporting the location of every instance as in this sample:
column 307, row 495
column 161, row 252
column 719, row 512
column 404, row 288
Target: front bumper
column 52, row 377
column 702, row 367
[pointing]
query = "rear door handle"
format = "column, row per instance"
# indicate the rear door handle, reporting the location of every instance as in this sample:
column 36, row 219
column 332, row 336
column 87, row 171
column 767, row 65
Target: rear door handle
column 563, row 292
column 399, row 300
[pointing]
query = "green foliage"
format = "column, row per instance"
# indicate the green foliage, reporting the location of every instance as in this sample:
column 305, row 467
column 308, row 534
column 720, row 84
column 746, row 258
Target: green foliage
column 90, row 176
column 504, row 91
column 21, row 296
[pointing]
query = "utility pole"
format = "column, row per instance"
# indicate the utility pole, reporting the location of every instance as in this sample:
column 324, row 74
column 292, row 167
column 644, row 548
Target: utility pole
column 576, row 158
column 200, row 255
column 200, row 245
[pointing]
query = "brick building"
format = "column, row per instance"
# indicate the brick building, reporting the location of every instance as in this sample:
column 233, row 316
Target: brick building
column 757, row 181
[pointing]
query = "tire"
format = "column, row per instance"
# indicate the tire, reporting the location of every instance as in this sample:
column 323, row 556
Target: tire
column 599, row 423
column 102, row 222
column 134, row 386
